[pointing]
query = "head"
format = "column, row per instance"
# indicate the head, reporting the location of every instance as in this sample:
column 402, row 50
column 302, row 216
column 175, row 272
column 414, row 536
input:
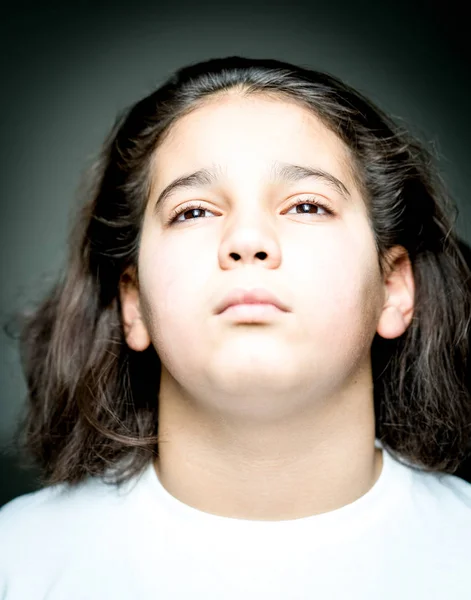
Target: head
column 322, row 263
column 361, row 251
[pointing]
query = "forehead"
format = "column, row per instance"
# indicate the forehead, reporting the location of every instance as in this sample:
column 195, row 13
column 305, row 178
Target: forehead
column 246, row 134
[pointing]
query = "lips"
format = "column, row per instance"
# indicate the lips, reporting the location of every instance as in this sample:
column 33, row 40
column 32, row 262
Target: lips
column 253, row 296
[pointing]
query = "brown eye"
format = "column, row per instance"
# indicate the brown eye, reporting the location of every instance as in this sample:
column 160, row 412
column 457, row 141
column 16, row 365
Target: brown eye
column 319, row 207
column 182, row 210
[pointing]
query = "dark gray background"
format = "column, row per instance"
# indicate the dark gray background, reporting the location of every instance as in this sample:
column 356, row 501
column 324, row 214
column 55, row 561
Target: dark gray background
column 67, row 69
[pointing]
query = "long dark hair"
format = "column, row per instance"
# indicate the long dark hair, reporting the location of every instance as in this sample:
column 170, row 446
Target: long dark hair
column 92, row 402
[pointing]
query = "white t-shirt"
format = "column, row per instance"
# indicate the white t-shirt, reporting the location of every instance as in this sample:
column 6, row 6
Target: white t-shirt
column 408, row 538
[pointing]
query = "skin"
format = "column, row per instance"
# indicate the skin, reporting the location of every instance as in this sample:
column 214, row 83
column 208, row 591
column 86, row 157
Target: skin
column 269, row 421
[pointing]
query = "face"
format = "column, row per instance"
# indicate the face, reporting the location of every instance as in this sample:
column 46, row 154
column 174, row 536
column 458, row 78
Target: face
column 305, row 239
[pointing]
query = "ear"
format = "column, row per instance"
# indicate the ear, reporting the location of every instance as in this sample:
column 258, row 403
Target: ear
column 399, row 288
column 135, row 331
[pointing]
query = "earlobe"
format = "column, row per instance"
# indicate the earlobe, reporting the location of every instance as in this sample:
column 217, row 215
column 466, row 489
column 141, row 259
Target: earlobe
column 137, row 336
column 398, row 309
column 392, row 323
column 135, row 331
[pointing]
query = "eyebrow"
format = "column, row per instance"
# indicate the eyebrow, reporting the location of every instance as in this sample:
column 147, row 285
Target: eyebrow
column 284, row 172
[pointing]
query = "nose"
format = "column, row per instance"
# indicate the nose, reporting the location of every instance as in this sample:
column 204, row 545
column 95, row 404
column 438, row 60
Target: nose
column 250, row 245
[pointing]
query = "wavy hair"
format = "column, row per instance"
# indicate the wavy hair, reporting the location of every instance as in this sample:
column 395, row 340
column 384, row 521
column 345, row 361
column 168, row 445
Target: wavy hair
column 92, row 402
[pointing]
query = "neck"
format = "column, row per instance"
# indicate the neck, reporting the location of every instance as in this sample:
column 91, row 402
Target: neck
column 308, row 465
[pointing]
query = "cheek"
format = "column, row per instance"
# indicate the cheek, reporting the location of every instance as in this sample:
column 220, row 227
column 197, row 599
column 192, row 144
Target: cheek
column 341, row 284
column 174, row 293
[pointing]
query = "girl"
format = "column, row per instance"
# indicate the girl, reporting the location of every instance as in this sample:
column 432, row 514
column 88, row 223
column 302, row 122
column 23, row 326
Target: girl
column 250, row 381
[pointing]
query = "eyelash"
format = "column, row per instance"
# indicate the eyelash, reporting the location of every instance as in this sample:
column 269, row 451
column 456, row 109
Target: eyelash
column 192, row 206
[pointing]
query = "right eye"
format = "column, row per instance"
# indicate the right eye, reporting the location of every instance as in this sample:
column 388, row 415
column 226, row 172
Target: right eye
column 184, row 209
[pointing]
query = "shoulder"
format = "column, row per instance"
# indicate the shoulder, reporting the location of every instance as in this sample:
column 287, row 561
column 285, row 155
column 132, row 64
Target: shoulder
column 432, row 508
column 19, row 514
column 446, row 490
column 435, row 489
column 442, row 501
column 56, row 534
column 62, row 515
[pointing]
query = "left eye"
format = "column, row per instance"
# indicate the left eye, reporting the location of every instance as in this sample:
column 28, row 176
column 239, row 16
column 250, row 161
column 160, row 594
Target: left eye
column 317, row 205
